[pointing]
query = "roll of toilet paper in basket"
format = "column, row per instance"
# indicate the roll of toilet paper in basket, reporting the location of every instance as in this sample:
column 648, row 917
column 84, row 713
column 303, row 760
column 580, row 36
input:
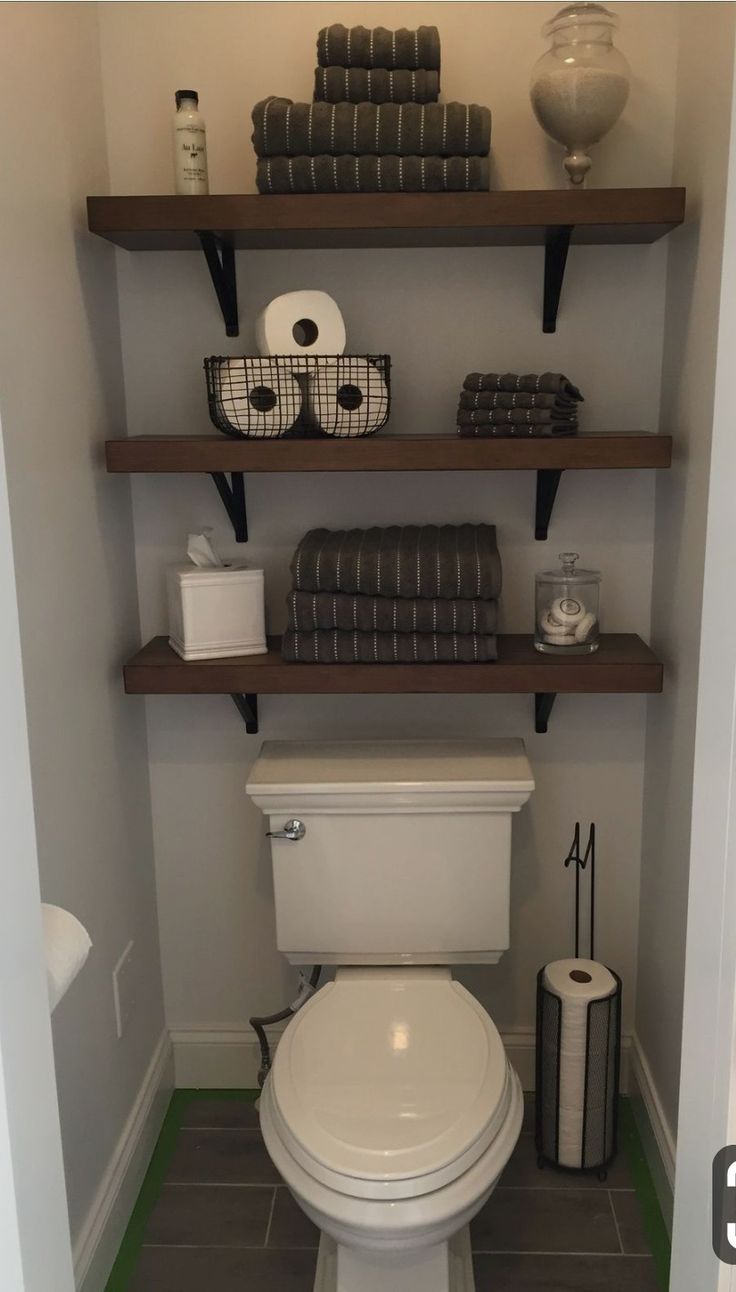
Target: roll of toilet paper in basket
column 301, row 324
column 577, row 983
column 349, row 397
column 252, row 396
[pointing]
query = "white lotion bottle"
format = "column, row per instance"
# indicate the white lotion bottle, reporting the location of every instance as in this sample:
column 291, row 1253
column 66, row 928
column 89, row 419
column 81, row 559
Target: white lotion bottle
column 190, row 145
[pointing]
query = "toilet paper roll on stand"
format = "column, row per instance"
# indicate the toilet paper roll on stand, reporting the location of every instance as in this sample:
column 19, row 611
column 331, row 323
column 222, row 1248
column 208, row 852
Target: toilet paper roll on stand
column 301, row 324
column 582, row 1055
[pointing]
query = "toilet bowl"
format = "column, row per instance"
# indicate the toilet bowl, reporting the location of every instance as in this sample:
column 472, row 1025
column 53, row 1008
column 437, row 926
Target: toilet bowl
column 391, row 1111
column 391, row 1108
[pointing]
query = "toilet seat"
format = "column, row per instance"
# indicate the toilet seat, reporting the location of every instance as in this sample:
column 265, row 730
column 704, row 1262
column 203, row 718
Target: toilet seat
column 390, row 1083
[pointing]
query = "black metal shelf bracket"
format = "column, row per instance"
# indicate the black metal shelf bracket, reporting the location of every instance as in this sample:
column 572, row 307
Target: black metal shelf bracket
column 220, row 257
column 247, row 707
column 543, row 702
column 555, row 259
column 548, row 480
column 233, row 497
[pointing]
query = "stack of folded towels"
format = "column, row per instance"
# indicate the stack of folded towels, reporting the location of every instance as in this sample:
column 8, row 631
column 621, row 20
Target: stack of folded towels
column 412, row 594
column 505, row 404
column 375, row 124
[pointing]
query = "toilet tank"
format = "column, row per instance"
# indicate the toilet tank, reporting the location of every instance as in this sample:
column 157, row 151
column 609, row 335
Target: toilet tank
column 404, row 852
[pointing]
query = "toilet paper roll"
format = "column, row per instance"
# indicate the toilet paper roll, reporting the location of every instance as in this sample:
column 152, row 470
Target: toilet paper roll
column 349, row 397
column 576, row 983
column 301, row 323
column 258, row 397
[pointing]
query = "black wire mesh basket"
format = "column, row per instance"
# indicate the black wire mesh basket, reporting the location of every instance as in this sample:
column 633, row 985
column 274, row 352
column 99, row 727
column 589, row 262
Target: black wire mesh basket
column 294, row 395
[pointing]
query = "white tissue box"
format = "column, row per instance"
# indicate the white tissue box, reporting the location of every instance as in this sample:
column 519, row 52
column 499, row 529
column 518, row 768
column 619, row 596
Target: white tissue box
column 214, row 613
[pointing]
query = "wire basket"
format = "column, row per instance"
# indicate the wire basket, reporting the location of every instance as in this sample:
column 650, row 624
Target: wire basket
column 273, row 396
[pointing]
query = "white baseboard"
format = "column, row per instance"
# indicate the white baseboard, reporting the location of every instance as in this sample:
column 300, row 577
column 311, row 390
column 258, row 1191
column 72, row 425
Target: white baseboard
column 99, row 1239
column 229, row 1058
column 656, row 1133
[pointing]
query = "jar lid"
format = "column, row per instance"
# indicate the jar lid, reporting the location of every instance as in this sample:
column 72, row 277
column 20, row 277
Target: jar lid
column 568, row 571
column 576, row 15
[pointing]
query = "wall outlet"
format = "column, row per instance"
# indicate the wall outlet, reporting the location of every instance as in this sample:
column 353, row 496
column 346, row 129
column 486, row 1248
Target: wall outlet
column 123, row 989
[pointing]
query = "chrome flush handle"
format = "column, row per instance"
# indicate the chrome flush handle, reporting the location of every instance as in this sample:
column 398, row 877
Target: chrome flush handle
column 293, row 830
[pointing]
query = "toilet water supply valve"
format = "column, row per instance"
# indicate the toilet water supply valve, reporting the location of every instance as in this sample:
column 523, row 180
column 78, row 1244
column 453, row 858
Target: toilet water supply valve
column 307, row 987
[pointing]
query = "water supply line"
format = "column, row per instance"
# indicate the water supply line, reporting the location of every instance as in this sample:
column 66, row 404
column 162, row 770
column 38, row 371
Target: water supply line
column 307, row 988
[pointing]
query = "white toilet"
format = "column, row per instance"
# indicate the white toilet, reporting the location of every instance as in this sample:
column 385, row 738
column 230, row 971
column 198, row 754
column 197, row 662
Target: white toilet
column 391, row 1108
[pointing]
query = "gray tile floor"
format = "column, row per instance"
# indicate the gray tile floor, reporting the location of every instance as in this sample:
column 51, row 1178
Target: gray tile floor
column 223, row 1221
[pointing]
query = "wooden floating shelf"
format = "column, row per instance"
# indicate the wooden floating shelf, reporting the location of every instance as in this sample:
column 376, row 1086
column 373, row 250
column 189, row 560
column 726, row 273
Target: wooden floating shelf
column 551, row 218
column 208, row 453
column 218, row 455
column 622, row 665
column 521, row 217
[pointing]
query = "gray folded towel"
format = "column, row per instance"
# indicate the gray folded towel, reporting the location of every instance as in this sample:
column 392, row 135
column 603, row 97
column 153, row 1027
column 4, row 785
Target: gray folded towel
column 538, row 430
column 309, row 611
column 356, row 85
column 448, row 561
column 551, row 383
column 286, row 129
column 388, row 648
column 515, row 417
column 361, row 47
column 519, row 399
column 349, row 174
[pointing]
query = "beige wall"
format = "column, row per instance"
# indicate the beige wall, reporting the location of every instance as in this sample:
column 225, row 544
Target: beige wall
column 702, row 130
column 60, row 394
column 439, row 314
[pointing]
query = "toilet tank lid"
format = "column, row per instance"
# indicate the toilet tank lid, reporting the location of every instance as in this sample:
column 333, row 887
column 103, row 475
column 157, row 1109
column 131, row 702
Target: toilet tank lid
column 391, row 766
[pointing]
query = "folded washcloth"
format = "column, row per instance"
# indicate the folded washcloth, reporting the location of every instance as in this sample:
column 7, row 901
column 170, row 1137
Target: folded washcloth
column 551, row 383
column 286, row 129
column 349, row 174
column 67, row 945
column 356, row 85
column 309, row 611
column 519, row 399
column 388, row 648
column 448, row 561
column 362, row 47
column 488, row 429
column 515, row 417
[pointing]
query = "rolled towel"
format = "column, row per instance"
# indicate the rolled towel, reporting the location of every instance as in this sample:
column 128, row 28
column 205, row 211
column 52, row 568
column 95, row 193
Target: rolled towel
column 515, row 417
column 309, row 611
column 356, row 85
column 370, row 174
column 448, row 561
column 551, row 383
column 363, row 47
column 285, row 129
column 388, row 648
column 67, row 945
column 519, row 399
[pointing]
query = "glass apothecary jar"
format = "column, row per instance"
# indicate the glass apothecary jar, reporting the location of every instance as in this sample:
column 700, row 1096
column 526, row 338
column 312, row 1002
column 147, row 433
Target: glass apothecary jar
column 566, row 608
column 580, row 86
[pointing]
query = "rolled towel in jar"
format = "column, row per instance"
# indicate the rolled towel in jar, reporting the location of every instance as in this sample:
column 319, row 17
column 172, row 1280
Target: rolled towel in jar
column 356, row 85
column 378, row 47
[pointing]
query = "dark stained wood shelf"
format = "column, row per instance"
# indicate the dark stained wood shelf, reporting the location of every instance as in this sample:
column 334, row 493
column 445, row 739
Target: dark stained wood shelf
column 549, row 218
column 622, row 665
column 522, row 217
column 208, row 453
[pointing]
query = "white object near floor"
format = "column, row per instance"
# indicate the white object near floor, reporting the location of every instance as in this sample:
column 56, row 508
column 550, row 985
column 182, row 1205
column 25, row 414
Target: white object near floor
column 67, row 945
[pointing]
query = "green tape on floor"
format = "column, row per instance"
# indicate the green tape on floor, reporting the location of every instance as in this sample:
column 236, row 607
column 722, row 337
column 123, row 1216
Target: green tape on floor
column 654, row 1226
column 122, row 1270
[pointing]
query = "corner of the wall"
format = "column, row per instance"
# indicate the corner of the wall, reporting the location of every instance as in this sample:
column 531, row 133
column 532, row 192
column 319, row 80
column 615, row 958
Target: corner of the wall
column 102, row 1233
column 658, row 1140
